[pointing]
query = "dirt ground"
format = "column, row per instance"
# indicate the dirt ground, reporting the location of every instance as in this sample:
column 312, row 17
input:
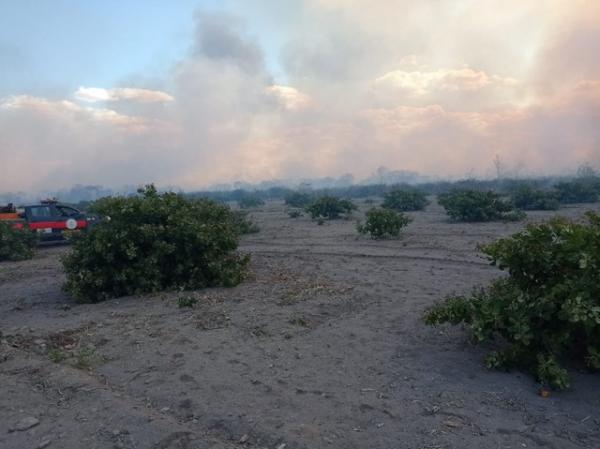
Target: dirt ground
column 323, row 347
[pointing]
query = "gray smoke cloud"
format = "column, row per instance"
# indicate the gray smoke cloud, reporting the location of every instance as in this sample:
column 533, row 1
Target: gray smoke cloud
column 423, row 86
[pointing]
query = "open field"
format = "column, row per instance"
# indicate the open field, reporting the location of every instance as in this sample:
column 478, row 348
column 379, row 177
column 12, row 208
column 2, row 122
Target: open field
column 323, row 347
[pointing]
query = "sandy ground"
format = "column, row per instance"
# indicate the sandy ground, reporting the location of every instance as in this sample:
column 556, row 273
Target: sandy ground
column 323, row 347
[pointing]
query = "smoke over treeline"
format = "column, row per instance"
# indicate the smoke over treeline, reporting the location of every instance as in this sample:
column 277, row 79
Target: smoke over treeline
column 433, row 87
column 379, row 183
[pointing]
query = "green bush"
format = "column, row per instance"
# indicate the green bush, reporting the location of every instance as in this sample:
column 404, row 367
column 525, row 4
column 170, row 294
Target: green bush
column 528, row 198
column 383, row 223
column 578, row 191
column 243, row 223
column 186, row 301
column 250, row 201
column 547, row 310
column 404, row 200
column 329, row 207
column 153, row 242
column 476, row 206
column 16, row 244
column 298, row 199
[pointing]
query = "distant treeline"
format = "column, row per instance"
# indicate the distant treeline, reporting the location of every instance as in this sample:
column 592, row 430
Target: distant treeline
column 507, row 186
column 566, row 189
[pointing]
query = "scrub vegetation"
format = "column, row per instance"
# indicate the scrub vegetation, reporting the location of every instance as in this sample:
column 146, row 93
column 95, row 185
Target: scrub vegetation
column 154, row 242
column 383, row 223
column 16, row 244
column 330, row 208
column 476, row 206
column 547, row 311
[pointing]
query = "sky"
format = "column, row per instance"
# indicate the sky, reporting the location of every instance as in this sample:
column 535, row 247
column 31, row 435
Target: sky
column 194, row 93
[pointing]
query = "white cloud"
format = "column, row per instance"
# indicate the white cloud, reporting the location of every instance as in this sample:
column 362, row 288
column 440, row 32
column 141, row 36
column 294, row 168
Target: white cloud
column 96, row 94
column 69, row 111
column 419, row 82
column 291, row 98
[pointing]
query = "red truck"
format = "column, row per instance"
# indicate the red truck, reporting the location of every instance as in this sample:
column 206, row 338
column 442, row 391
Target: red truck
column 49, row 219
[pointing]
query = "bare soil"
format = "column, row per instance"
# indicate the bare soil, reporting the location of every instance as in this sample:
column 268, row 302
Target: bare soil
column 323, row 347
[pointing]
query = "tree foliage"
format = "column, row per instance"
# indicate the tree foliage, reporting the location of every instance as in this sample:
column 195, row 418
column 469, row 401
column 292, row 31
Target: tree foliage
column 153, row 242
column 243, row 223
column 16, row 244
column 547, row 310
column 329, row 207
column 298, row 199
column 528, row 198
column 476, row 206
column 585, row 190
column 383, row 223
column 404, row 200
column 249, row 201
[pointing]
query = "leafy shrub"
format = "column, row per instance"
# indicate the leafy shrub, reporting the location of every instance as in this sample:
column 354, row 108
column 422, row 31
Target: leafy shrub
column 249, row 201
column 57, row 355
column 16, row 244
column 578, row 191
column 154, row 242
column 298, row 199
column 528, row 198
column 472, row 205
column 243, row 223
column 547, row 310
column 87, row 356
column 329, row 207
column 382, row 223
column 186, row 301
column 403, row 200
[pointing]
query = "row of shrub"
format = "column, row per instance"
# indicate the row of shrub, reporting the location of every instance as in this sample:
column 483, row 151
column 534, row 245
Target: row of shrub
column 388, row 220
column 585, row 187
column 545, row 313
column 385, row 222
column 475, row 205
column 460, row 205
column 528, row 197
column 523, row 197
